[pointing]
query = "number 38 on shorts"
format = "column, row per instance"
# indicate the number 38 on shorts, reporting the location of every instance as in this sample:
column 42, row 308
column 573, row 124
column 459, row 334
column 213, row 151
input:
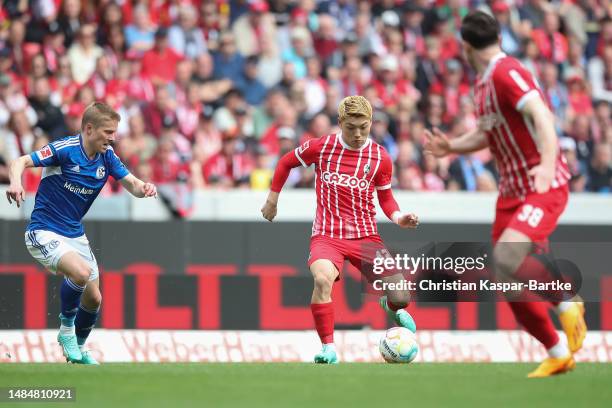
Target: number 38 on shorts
column 531, row 215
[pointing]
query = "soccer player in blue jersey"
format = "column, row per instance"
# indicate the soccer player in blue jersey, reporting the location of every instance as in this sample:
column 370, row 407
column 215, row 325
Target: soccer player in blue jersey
column 75, row 170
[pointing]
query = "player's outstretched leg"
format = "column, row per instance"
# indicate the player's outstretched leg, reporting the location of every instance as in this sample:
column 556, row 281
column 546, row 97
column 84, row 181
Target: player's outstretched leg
column 510, row 253
column 398, row 313
column 324, row 273
column 571, row 316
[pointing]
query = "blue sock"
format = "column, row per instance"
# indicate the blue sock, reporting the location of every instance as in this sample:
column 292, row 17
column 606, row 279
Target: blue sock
column 70, row 294
column 84, row 322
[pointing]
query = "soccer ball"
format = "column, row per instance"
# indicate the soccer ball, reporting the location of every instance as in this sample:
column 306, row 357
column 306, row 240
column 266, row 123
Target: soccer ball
column 398, row 345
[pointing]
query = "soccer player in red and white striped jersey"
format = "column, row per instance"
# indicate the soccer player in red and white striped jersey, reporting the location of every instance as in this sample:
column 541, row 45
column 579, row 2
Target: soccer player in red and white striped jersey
column 518, row 127
column 349, row 167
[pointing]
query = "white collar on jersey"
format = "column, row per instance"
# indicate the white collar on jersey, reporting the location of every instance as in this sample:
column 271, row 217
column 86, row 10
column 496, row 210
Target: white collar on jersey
column 346, row 146
column 491, row 65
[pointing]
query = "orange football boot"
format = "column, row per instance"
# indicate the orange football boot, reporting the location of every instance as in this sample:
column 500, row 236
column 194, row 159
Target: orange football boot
column 553, row 366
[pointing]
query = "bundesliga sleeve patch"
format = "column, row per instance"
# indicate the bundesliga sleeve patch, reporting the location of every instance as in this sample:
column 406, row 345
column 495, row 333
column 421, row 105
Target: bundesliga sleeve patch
column 303, row 147
column 45, row 152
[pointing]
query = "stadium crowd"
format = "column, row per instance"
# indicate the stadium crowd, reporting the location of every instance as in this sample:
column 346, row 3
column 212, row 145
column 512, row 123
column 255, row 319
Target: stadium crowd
column 212, row 92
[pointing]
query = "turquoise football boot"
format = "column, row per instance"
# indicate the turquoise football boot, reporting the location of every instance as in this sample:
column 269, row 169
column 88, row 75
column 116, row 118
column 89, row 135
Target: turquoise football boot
column 70, row 348
column 327, row 355
column 88, row 358
column 401, row 317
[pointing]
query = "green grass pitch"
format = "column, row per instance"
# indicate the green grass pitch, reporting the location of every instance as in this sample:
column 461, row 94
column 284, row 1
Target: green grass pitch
column 314, row 386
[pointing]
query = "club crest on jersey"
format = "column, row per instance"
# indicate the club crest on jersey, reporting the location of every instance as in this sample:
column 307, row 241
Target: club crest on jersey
column 44, row 153
column 100, row 172
column 366, row 169
column 344, row 180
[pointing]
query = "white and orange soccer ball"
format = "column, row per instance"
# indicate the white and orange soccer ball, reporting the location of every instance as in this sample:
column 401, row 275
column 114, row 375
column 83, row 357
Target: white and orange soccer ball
column 398, row 345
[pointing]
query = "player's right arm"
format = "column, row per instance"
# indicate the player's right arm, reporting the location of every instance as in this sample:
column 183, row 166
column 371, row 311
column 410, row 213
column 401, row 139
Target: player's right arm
column 15, row 190
column 440, row 145
column 304, row 155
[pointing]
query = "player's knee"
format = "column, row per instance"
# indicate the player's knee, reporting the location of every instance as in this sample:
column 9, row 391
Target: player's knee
column 323, row 282
column 504, row 261
column 96, row 299
column 399, row 298
column 81, row 275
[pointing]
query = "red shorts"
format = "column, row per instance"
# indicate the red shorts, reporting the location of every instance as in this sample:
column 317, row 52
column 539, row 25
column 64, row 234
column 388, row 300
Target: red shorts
column 535, row 217
column 359, row 252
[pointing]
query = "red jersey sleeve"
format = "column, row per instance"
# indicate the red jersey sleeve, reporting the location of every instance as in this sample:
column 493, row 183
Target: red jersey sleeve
column 514, row 85
column 308, row 152
column 382, row 179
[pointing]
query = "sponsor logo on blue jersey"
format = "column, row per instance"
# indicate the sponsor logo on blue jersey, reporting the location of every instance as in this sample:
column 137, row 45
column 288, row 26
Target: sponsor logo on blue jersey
column 79, row 190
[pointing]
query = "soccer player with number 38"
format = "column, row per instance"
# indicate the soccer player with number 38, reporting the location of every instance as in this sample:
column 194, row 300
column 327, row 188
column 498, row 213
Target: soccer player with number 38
column 518, row 127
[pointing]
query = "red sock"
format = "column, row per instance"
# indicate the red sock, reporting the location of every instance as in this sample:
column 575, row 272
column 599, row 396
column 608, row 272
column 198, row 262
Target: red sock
column 533, row 316
column 323, row 314
column 393, row 306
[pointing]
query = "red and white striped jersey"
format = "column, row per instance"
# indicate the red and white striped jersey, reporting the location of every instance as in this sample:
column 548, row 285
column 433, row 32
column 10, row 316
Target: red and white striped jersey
column 500, row 93
column 345, row 182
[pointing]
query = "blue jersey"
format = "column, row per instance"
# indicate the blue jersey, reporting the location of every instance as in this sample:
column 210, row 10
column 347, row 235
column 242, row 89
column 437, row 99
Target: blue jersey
column 70, row 183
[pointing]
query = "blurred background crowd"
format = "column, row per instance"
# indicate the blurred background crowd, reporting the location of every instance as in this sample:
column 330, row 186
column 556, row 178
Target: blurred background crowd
column 212, row 92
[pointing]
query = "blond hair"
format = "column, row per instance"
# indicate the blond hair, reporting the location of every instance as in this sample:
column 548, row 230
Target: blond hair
column 98, row 113
column 355, row 105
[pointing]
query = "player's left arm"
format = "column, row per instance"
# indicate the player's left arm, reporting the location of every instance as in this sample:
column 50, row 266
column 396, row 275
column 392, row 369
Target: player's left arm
column 546, row 138
column 517, row 89
column 137, row 187
column 131, row 183
column 386, row 199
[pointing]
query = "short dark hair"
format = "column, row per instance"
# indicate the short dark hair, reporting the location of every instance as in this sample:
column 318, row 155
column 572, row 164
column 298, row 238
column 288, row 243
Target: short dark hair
column 479, row 29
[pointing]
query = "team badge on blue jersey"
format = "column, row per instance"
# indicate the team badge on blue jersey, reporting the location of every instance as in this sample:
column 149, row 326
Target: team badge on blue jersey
column 100, row 172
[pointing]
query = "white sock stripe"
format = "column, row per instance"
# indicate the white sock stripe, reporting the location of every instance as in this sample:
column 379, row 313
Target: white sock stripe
column 559, row 350
column 74, row 285
column 66, row 330
column 92, row 311
column 563, row 306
